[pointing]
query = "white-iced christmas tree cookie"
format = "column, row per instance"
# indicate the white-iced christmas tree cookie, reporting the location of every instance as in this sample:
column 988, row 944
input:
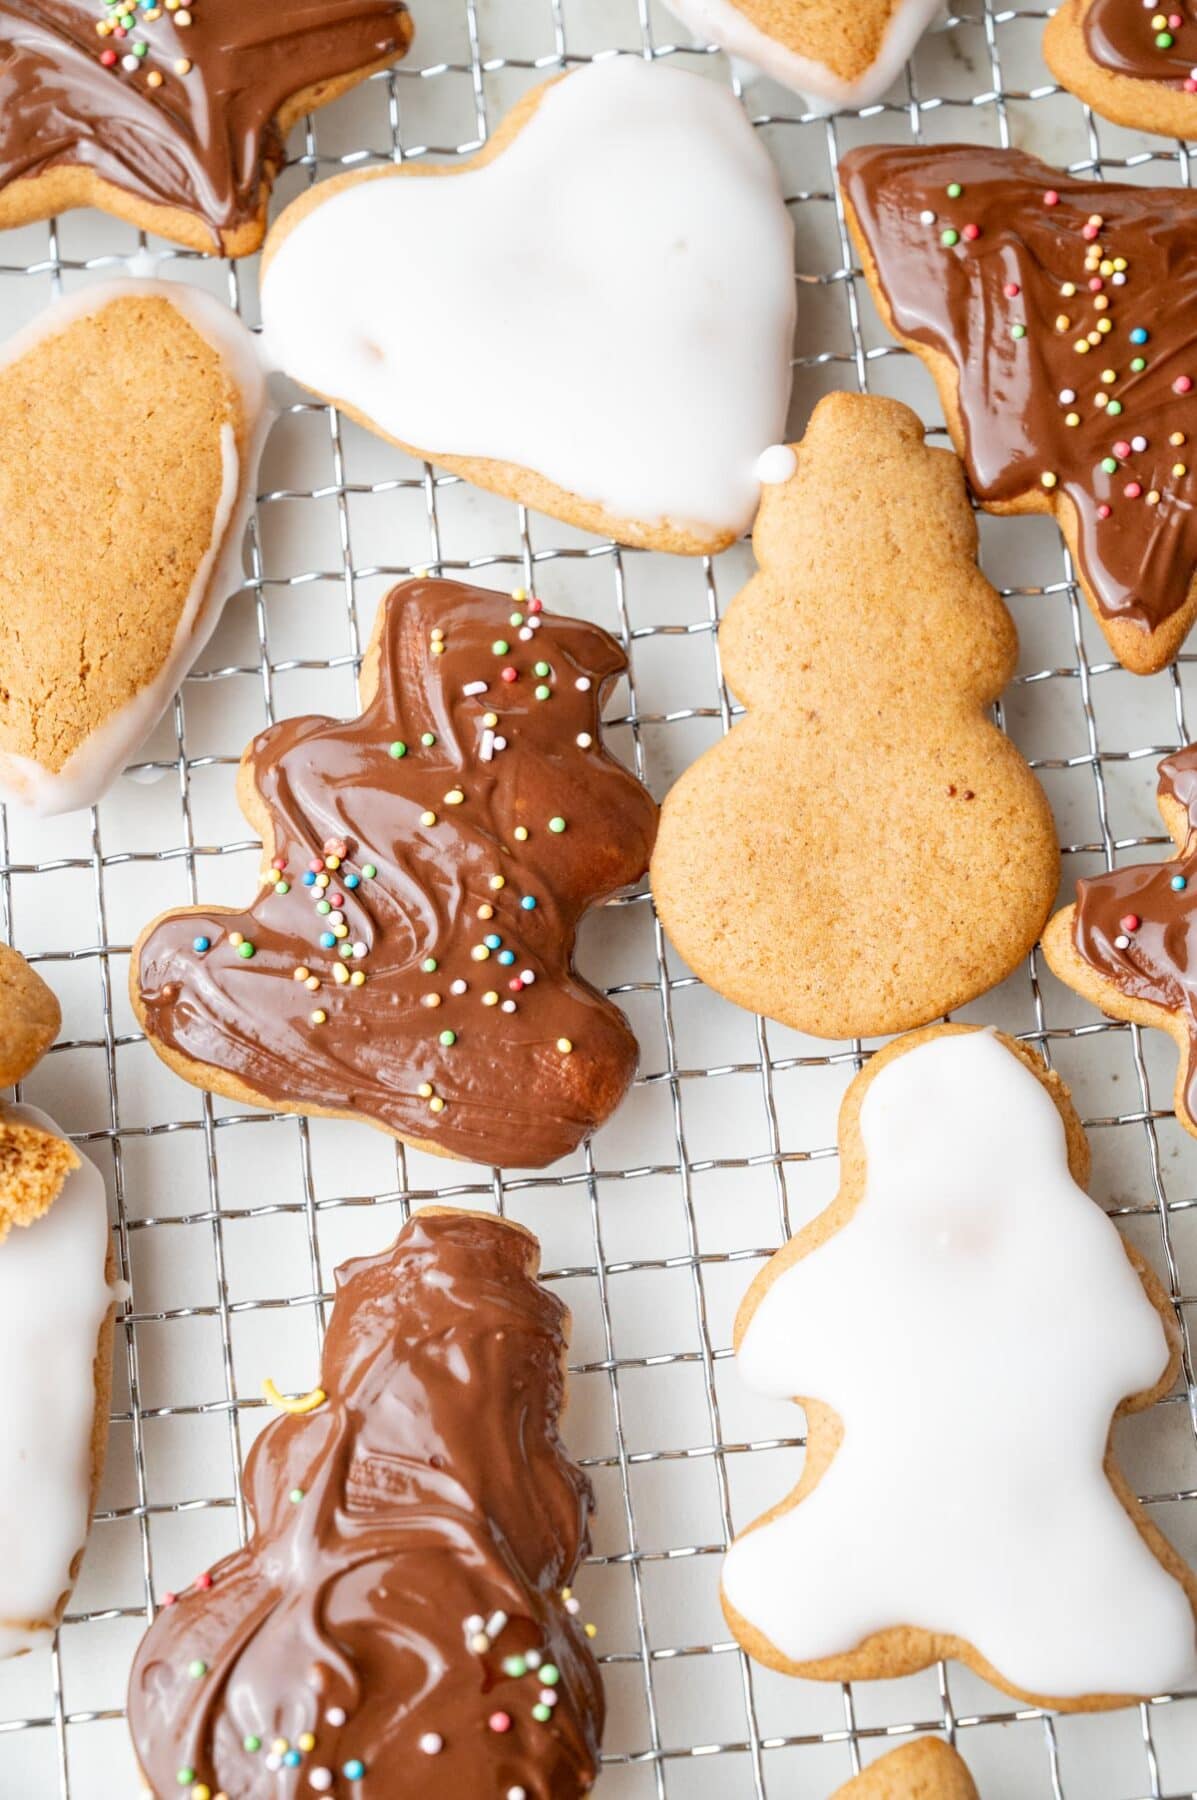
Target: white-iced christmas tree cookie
column 963, row 1325
column 593, row 315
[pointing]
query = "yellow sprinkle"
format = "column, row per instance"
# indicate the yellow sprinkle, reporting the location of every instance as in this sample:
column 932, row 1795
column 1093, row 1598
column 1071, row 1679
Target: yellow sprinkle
column 305, row 1404
column 340, row 974
column 235, row 938
column 312, row 982
column 520, row 834
column 1068, row 290
column 1094, row 337
column 591, row 1630
column 1106, row 267
column 1108, row 375
column 319, row 1017
column 437, row 635
column 1179, row 469
column 154, row 80
column 1101, row 399
column 1104, row 325
column 1062, row 321
column 490, row 718
column 1120, row 264
column 1048, row 480
column 357, row 979
column 322, row 880
column 425, row 1090
column 437, row 649
column 427, row 999
column 564, row 1045
column 490, row 999
column 183, row 66
column 306, row 1742
column 1176, row 437
column 480, row 953
column 280, row 1746
column 519, row 594
column 202, row 1791
column 1100, row 302
column 1153, row 499
column 486, row 911
column 182, row 16
column 498, row 881
column 436, row 1104
column 301, row 974
column 567, row 1593
column 454, row 797
column 104, row 28
column 340, row 931
column 1081, row 346
column 332, row 862
column 428, row 818
column 1072, row 418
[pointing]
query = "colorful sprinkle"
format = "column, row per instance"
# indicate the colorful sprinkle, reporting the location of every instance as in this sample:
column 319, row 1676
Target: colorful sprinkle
column 432, row 1743
column 500, row 1722
column 354, row 1769
column 398, row 749
column 200, row 945
column 557, row 825
column 1178, row 884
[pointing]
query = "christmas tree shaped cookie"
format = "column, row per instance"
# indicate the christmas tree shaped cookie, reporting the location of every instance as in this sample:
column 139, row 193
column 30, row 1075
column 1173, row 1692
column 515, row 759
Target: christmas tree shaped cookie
column 963, row 1326
column 400, row 1622
column 409, row 959
column 1059, row 319
column 866, row 850
column 1129, row 943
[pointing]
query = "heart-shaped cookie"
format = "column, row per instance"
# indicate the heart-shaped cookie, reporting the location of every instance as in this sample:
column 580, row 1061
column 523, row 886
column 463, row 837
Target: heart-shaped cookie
column 131, row 418
column 593, row 316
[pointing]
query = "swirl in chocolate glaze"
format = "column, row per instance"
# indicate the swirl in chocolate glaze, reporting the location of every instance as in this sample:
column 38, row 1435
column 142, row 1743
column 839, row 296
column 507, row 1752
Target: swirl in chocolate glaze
column 1147, row 43
column 428, row 1495
column 193, row 124
column 1137, row 927
column 409, row 959
column 1068, row 313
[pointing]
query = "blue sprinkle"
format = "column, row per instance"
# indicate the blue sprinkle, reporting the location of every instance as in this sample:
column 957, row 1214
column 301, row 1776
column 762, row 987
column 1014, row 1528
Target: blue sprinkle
column 327, row 940
column 1138, row 335
column 351, row 881
column 493, row 941
column 507, row 956
column 200, row 944
column 529, row 902
column 354, row 1770
column 309, row 878
column 292, row 1759
column 1179, row 884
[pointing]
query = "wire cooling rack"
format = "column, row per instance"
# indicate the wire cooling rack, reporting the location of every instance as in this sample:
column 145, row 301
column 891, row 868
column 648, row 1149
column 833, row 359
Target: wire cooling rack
column 228, row 1224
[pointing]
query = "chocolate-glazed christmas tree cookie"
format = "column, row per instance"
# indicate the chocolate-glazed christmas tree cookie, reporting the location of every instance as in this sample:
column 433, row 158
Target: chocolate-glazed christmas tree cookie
column 1059, row 319
column 399, row 1623
column 1129, row 943
column 173, row 115
column 409, row 958
column 1132, row 62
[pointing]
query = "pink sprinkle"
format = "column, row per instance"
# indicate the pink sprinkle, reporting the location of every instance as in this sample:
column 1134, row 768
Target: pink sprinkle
column 1174, row 21
column 337, row 899
column 1012, row 290
column 1122, row 448
column 500, row 1721
column 1089, row 232
column 316, row 865
column 169, row 1599
column 1132, row 490
column 510, row 674
column 278, row 862
column 1190, row 85
column 1096, row 284
column 1103, row 511
column 203, row 1581
column 1183, row 384
column 1051, row 198
column 535, row 605
column 971, row 233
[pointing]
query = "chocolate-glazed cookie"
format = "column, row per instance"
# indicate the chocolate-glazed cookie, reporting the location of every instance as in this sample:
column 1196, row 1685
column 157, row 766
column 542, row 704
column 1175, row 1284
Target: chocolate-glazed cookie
column 1129, row 943
column 172, row 115
column 1059, row 319
column 409, row 958
column 1131, row 62
column 397, row 1623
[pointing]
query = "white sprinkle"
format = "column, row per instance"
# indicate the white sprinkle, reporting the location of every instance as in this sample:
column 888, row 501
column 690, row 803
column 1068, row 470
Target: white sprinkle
column 776, row 465
column 508, row 1006
column 500, row 744
column 131, row 63
column 1138, row 443
column 336, row 918
column 527, row 977
column 495, row 1624
column 1122, row 942
column 359, row 950
column 583, row 684
column 335, row 1715
column 573, row 1606
column 473, row 687
column 548, row 1696
column 927, row 217
column 458, row 986
column 474, row 1624
column 533, row 1658
column 321, row 1780
column 525, row 633
column 480, row 1644
column 432, row 1743
column 584, row 740
column 1118, row 279
column 486, row 748
column 1067, row 396
column 535, row 622
column 517, row 1793
column 274, row 1762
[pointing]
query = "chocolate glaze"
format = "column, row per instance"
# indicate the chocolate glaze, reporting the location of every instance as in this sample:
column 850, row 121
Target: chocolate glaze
column 511, row 1095
column 1120, row 36
column 1157, row 962
column 434, row 1487
column 199, row 141
column 1138, row 562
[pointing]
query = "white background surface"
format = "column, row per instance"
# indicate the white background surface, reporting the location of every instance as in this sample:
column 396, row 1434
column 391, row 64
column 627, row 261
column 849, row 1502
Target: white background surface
column 229, row 1225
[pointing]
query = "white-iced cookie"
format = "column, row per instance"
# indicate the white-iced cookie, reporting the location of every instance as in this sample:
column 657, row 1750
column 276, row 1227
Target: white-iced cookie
column 131, row 420
column 56, row 1311
column 967, row 1324
column 834, row 59
column 593, row 316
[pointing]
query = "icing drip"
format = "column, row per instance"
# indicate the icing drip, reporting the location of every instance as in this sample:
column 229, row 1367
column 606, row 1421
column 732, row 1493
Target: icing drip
column 401, row 1598
column 410, row 956
column 1068, row 310
column 1148, row 43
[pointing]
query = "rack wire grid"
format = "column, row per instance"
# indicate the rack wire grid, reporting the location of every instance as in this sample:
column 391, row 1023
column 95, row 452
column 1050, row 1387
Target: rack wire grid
column 228, row 1224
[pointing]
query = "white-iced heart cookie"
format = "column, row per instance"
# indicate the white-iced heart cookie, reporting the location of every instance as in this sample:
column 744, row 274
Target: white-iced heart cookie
column 833, row 57
column 964, row 1326
column 593, row 316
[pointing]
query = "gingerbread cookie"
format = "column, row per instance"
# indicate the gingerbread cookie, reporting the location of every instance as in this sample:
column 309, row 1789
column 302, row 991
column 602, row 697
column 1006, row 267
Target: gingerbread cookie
column 668, row 298
column 1134, row 64
column 963, row 1326
column 832, row 58
column 401, row 1618
column 173, row 117
column 121, row 521
column 56, row 1312
column 859, row 856
column 409, row 959
column 1126, row 944
column 30, row 1017
column 1059, row 319
column 927, row 1769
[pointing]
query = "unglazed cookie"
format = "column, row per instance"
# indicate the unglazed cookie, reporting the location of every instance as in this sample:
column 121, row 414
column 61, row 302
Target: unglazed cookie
column 401, row 1618
column 30, row 1017
column 56, row 1312
column 409, row 959
column 1059, row 319
column 1129, row 943
column 832, row 57
column 1132, row 63
column 928, row 1769
column 860, row 854
column 963, row 1326
column 131, row 419
column 175, row 120
column 628, row 381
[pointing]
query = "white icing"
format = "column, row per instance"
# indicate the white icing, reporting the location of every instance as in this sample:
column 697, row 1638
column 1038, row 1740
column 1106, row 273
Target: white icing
column 777, row 465
column 53, row 1301
column 974, row 1325
column 95, row 763
column 721, row 22
column 609, row 303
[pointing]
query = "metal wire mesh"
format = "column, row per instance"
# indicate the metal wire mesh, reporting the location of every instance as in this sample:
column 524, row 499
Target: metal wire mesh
column 227, row 1225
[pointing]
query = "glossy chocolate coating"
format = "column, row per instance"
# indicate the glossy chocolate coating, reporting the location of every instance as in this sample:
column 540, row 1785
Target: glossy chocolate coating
column 527, row 1073
column 1120, row 35
column 429, row 1488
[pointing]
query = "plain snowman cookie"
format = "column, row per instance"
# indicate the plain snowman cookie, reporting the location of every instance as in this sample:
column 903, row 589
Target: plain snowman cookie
column 928, row 1769
column 865, row 850
column 131, row 417
column 627, row 382
column 963, row 1327
column 831, row 56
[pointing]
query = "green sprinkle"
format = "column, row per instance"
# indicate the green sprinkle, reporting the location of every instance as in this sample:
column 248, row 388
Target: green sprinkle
column 345, row 948
column 549, row 1675
column 540, row 668
column 251, row 1743
column 542, row 1713
column 197, row 1670
column 141, row 48
column 246, row 950
column 557, row 825
column 398, row 749
column 428, row 739
column 1018, row 331
column 500, row 646
column 369, row 871
column 295, row 1496
column 185, row 1777
column 282, row 887
column 954, row 190
column 323, row 906
column 543, row 691
column 448, row 1039
column 1109, row 465
column 1164, row 40
column 1114, row 408
column 429, row 965
column 949, row 238
column 517, row 618
column 1138, row 364
column 515, row 1666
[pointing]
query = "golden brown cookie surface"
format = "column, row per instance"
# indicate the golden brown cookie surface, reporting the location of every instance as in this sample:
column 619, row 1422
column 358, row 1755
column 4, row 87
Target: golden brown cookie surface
column 30, row 1017
column 928, row 1769
column 865, row 850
